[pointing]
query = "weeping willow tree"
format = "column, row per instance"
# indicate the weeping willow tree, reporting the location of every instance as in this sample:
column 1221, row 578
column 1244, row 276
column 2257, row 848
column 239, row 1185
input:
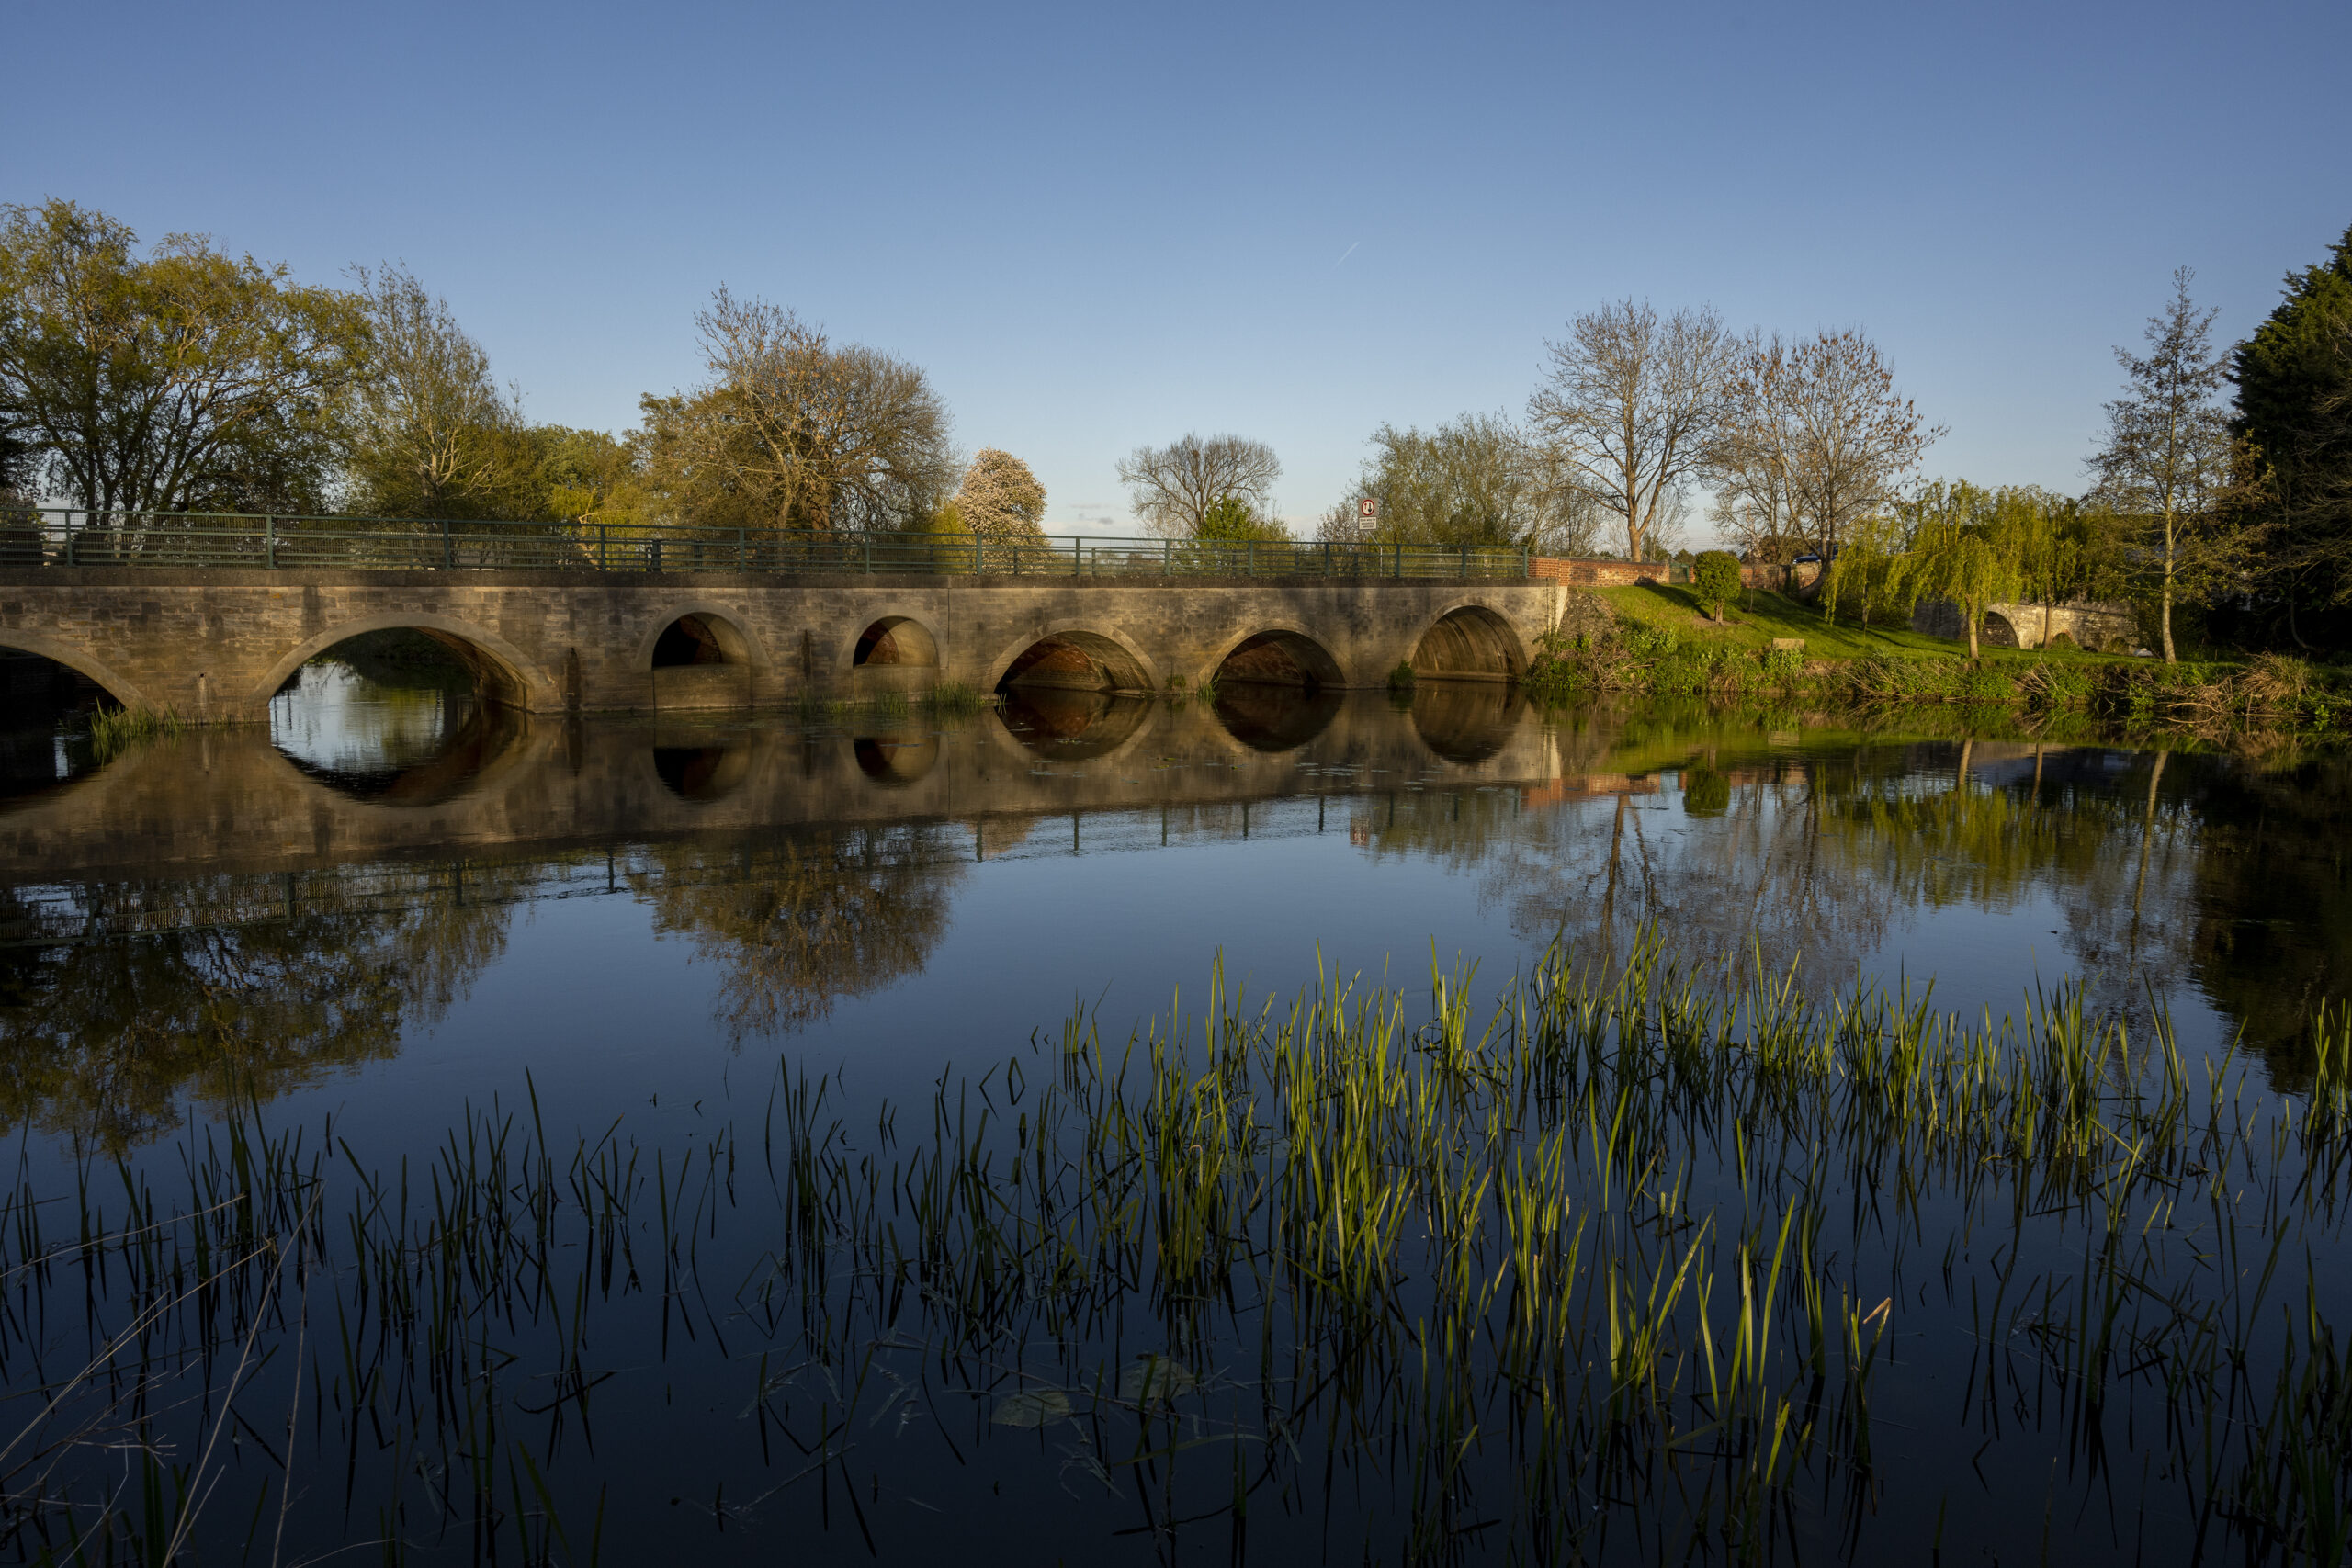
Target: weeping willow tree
column 1961, row 549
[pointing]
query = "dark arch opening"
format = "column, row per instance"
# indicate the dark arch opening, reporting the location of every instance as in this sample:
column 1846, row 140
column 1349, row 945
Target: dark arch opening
column 1076, row 661
column 697, row 640
column 1280, row 658
column 894, row 639
column 1469, row 644
column 1998, row 632
column 45, row 712
column 406, row 714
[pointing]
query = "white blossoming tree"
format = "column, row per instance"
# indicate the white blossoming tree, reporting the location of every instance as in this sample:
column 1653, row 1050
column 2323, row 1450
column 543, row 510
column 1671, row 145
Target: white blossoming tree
column 1000, row 496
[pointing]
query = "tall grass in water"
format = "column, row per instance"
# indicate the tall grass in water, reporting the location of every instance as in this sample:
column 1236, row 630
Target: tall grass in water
column 116, row 731
column 1646, row 1263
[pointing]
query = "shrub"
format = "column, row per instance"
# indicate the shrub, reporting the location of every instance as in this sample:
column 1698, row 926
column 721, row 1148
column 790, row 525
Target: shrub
column 1401, row 678
column 1705, row 792
column 2062, row 641
column 1714, row 578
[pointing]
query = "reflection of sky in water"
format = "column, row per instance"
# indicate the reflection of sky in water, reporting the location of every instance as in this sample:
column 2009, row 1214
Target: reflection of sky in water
column 333, row 718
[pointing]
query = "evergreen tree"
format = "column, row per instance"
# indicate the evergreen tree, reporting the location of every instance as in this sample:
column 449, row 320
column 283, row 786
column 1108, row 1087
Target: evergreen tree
column 2294, row 404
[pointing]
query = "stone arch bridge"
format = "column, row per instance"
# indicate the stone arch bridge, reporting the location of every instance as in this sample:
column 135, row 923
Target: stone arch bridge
column 214, row 644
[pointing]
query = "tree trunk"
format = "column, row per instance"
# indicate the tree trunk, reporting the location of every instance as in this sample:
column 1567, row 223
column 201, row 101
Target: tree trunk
column 2165, row 609
column 1973, row 615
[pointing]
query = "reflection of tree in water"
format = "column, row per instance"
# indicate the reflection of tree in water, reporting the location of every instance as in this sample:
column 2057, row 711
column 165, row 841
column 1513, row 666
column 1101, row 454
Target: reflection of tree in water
column 796, row 924
column 2169, row 868
column 119, row 999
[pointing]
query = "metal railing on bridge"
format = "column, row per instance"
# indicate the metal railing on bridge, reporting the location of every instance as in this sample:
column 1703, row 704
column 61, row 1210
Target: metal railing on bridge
column 64, row 537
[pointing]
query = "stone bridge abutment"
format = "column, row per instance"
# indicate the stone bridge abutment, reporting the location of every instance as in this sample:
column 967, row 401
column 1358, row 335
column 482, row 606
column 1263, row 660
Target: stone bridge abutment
column 216, row 644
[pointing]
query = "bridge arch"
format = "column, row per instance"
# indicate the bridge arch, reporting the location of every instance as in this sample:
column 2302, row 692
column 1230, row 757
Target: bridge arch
column 1469, row 641
column 506, row 674
column 1075, row 657
column 121, row 690
column 894, row 638
column 1280, row 655
column 1999, row 631
column 701, row 624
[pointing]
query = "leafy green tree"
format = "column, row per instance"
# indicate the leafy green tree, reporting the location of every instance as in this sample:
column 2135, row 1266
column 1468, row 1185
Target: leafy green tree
column 178, row 379
column 1476, row 480
column 1235, row 521
column 2294, row 404
column 1714, row 578
column 2166, row 469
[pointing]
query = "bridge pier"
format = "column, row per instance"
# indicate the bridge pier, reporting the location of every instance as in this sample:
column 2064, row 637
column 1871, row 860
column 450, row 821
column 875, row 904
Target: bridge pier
column 215, row 644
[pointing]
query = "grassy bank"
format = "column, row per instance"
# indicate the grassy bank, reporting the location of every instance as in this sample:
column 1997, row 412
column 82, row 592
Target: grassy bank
column 1656, row 641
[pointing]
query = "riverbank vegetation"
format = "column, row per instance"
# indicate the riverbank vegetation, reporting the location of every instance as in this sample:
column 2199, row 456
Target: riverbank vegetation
column 1652, row 1259
column 1660, row 640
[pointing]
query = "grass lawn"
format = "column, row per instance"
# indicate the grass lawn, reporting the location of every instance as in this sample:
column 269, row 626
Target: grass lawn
column 1776, row 616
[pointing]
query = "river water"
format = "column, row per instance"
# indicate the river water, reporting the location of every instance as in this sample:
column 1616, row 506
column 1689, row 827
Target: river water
column 394, row 905
column 395, row 900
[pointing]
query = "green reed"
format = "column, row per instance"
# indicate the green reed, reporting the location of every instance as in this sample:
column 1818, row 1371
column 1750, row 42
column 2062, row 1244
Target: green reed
column 1617, row 1267
column 116, row 731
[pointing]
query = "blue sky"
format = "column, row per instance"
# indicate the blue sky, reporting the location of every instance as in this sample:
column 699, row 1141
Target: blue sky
column 1097, row 227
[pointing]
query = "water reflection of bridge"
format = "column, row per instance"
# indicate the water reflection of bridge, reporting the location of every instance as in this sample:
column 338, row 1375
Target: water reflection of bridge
column 230, row 804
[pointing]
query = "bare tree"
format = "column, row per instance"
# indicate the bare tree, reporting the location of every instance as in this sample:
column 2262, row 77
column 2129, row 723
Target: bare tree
column 1182, row 490
column 430, row 433
column 1748, row 461
column 1000, row 496
column 794, row 431
column 2165, row 464
column 1631, row 404
column 1851, row 440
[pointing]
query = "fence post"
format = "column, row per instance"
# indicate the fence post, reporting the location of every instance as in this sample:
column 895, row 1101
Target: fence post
column 1400, row 560
column 1465, row 563
column 1167, row 556
column 742, row 551
column 1078, row 558
column 868, row 542
column 269, row 541
column 977, row 559
column 1249, row 559
column 604, row 546
column 69, row 540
